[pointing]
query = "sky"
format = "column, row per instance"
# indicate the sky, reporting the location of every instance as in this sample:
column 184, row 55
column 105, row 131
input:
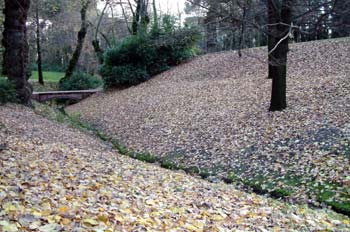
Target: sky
column 171, row 5
column 166, row 6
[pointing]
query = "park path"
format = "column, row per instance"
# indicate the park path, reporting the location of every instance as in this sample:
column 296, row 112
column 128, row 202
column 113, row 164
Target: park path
column 55, row 178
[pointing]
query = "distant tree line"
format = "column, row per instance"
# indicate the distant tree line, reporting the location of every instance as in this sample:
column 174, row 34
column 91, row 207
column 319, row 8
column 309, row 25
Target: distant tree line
column 237, row 24
column 70, row 35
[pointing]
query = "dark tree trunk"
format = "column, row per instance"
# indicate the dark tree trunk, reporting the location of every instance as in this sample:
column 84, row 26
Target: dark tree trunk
column 155, row 28
column 241, row 36
column 211, row 26
column 272, row 18
column 81, row 38
column 140, row 17
column 38, row 45
column 16, row 47
column 279, row 29
column 136, row 18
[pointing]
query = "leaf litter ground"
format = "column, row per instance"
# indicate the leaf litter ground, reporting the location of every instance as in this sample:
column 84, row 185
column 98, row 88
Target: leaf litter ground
column 56, row 178
column 212, row 114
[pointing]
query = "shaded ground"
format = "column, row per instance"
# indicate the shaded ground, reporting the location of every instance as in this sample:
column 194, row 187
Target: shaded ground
column 211, row 113
column 55, row 178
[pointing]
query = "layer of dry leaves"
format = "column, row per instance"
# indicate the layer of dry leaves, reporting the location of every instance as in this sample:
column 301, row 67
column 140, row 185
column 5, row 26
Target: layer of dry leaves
column 212, row 113
column 55, row 178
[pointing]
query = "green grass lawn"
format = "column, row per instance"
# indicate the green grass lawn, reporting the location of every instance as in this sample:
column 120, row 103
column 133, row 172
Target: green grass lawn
column 48, row 76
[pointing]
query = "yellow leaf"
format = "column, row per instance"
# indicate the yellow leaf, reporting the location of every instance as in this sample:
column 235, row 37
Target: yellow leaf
column 192, row 228
column 11, row 208
column 217, row 217
column 90, row 222
column 177, row 210
column 66, row 221
column 45, row 212
column 301, row 211
column 126, row 211
column 145, row 222
column 46, row 206
column 346, row 222
column 150, row 202
column 54, row 218
column 103, row 218
column 63, row 210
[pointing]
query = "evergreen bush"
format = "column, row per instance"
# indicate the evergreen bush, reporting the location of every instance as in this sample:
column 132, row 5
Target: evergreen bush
column 7, row 91
column 139, row 57
column 80, row 81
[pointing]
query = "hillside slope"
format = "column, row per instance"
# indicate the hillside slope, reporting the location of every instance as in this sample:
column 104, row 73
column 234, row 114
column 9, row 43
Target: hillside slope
column 55, row 178
column 212, row 113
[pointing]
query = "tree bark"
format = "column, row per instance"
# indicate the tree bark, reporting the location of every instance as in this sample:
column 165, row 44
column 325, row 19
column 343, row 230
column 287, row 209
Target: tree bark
column 16, row 47
column 211, row 24
column 136, row 18
column 96, row 43
column 38, row 45
column 241, row 36
column 279, row 28
column 80, row 43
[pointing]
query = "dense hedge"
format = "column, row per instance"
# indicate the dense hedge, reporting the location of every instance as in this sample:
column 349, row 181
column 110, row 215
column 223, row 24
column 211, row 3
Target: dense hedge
column 80, row 81
column 7, row 91
column 139, row 57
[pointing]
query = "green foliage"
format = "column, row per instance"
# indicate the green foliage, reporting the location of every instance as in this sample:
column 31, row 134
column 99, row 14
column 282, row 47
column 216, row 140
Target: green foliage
column 168, row 23
column 80, row 81
column 139, row 57
column 49, row 67
column 7, row 91
column 145, row 157
column 48, row 76
column 204, row 174
column 167, row 164
column 124, row 75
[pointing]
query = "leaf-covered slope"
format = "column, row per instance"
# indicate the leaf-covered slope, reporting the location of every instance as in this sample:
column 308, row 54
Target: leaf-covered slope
column 54, row 178
column 213, row 113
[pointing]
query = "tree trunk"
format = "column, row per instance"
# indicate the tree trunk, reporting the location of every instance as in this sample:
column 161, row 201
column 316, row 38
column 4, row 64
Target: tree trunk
column 211, row 24
column 96, row 43
column 81, row 38
column 155, row 27
column 241, row 36
column 16, row 47
column 136, row 18
column 38, row 45
column 272, row 18
column 279, row 29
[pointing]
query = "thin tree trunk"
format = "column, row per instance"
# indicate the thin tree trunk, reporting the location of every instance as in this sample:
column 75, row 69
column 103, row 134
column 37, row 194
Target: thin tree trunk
column 241, row 36
column 278, row 54
column 211, row 22
column 155, row 28
column 96, row 43
column 136, row 18
column 272, row 18
column 81, row 38
column 16, row 47
column 38, row 45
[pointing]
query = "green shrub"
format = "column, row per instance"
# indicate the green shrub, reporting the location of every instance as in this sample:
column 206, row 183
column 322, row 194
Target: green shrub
column 124, row 75
column 7, row 91
column 80, row 81
column 139, row 57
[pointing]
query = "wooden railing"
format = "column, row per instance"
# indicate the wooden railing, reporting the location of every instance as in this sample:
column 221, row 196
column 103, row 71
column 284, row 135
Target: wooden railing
column 74, row 95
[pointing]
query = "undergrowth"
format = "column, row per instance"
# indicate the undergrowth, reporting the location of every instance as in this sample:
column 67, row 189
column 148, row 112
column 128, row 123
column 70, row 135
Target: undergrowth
column 332, row 195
